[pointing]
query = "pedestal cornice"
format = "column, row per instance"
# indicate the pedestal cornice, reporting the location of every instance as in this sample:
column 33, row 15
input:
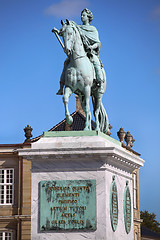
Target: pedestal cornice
column 75, row 145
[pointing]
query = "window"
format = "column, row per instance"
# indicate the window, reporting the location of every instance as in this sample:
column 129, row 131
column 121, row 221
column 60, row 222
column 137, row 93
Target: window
column 6, row 186
column 135, row 189
column 5, row 235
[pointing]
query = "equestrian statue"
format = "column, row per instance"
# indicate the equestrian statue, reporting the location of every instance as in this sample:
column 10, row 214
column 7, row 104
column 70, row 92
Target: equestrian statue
column 83, row 72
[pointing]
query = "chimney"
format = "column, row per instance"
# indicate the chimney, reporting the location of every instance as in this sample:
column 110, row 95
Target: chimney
column 78, row 106
column 68, row 127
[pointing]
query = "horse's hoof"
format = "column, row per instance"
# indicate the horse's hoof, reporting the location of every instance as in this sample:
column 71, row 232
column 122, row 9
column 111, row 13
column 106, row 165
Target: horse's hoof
column 86, row 129
column 69, row 119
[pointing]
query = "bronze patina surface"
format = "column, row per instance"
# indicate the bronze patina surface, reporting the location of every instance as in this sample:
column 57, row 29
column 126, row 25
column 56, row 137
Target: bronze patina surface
column 114, row 204
column 68, row 205
column 83, row 72
column 127, row 208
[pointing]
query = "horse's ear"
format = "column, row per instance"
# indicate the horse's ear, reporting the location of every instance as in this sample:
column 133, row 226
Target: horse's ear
column 62, row 22
column 67, row 22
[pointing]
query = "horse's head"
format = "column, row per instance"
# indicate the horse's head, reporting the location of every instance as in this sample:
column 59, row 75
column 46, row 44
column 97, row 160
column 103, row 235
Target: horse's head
column 68, row 34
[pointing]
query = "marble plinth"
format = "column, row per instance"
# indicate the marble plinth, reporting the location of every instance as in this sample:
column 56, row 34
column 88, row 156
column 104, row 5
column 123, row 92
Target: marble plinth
column 84, row 156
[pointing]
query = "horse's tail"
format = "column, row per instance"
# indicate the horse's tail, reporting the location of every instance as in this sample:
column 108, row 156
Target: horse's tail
column 103, row 118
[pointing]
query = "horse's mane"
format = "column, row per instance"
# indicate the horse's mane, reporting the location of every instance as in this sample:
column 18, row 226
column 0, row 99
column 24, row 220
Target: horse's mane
column 75, row 26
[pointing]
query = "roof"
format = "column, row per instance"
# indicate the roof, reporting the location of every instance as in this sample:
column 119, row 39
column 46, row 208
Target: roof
column 145, row 232
column 15, row 145
column 77, row 125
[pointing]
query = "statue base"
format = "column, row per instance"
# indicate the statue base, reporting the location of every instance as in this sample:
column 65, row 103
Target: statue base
column 81, row 187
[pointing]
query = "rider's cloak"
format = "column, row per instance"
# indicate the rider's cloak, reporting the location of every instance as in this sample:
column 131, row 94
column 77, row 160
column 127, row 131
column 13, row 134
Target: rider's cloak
column 89, row 35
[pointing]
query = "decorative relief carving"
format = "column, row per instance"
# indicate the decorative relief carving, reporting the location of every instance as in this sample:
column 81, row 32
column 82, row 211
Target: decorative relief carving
column 68, row 205
column 114, row 205
column 127, row 208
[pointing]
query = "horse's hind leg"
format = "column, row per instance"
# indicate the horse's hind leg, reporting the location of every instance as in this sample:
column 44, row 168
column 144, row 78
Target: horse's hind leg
column 87, row 94
column 67, row 94
column 96, row 112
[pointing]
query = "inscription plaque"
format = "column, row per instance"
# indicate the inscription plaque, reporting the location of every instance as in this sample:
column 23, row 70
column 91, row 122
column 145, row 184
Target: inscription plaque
column 114, row 205
column 68, row 205
column 127, row 208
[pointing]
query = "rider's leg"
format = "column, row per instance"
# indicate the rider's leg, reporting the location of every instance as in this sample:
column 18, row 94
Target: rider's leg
column 99, row 74
column 62, row 79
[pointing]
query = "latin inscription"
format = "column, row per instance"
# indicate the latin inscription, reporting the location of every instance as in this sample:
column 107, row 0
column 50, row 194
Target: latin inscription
column 127, row 208
column 68, row 205
column 114, row 205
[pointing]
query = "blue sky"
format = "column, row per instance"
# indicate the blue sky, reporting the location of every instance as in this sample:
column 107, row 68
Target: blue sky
column 31, row 61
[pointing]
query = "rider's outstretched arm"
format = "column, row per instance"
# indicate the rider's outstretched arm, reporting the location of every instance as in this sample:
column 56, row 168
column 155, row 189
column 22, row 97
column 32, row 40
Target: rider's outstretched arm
column 57, row 32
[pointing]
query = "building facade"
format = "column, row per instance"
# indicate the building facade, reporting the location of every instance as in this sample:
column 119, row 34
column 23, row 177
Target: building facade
column 15, row 194
column 136, row 207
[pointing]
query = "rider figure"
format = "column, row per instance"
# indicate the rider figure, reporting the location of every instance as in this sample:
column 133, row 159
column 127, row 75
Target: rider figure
column 92, row 45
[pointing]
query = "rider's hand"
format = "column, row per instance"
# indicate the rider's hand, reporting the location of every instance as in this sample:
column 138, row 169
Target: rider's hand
column 55, row 30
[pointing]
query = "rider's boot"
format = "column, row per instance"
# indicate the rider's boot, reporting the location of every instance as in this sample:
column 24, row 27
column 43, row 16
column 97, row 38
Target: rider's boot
column 99, row 77
column 60, row 91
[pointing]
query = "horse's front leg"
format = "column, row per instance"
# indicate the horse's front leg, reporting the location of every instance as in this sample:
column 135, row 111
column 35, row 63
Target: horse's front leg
column 67, row 94
column 87, row 94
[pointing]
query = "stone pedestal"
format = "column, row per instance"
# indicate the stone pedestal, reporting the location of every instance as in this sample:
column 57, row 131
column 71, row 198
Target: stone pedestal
column 90, row 168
